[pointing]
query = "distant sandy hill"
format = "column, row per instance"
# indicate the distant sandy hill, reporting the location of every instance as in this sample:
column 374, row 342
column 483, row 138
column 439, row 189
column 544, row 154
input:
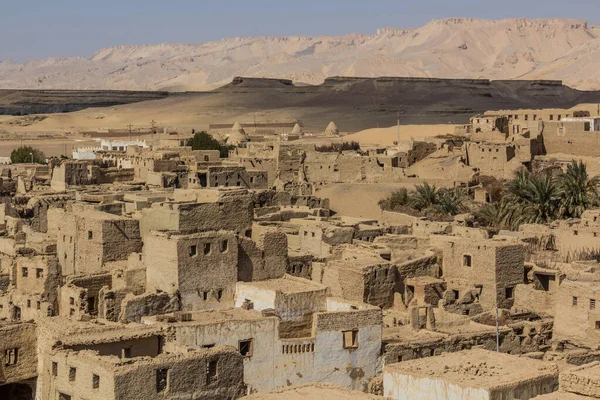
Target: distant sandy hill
column 562, row 49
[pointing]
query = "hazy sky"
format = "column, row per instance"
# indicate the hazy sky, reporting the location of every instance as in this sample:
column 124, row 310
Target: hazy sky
column 33, row 29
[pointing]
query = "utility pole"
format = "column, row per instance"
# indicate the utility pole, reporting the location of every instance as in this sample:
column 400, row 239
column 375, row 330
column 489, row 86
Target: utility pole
column 398, row 125
column 129, row 126
column 497, row 331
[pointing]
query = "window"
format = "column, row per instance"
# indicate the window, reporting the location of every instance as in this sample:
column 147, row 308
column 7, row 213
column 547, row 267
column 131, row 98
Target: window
column 456, row 294
column 508, row 293
column 574, row 301
column 193, row 250
column 551, row 117
column 575, row 233
column 597, row 324
column 39, row 273
column 24, row 272
column 467, row 260
column 350, row 339
column 207, row 248
column 54, row 368
column 62, row 396
column 38, row 305
column 224, row 245
column 205, row 295
column 11, row 357
column 592, row 304
column 526, row 117
column 95, row 381
column 71, row 300
column 245, row 347
column 126, row 352
column 219, row 294
column 28, row 303
column 205, row 157
column 249, row 233
column 162, row 379
column 72, row 374
column 90, row 235
column 211, row 372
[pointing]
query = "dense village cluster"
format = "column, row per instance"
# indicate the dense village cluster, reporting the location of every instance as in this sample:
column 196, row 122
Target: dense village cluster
column 149, row 270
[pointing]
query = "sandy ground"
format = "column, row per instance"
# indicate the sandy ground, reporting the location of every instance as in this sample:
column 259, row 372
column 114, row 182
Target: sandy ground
column 50, row 147
column 387, row 136
column 360, row 199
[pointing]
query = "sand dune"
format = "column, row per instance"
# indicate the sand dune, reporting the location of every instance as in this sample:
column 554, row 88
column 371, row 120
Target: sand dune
column 387, row 136
column 562, row 49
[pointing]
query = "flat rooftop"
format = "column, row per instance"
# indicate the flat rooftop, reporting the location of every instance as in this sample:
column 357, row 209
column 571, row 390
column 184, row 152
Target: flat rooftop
column 562, row 396
column 287, row 284
column 475, row 368
column 209, row 317
column 317, row 391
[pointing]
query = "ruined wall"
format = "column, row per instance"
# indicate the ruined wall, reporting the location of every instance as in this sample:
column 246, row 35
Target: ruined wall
column 201, row 266
column 20, row 340
column 493, row 268
column 133, row 308
column 582, row 380
column 577, row 319
column 232, row 213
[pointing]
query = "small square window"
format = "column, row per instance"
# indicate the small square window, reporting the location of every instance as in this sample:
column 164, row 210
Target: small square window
column 126, row 352
column 224, row 246
column 71, row 300
column 350, row 339
column 54, row 368
column 193, row 250
column 39, row 273
column 24, row 272
column 90, row 235
column 207, row 248
column 28, row 303
column 11, row 356
column 597, row 324
column 508, row 293
column 467, row 261
column 95, row 381
column 575, row 233
column 574, row 301
column 592, row 304
column 72, row 374
column 245, row 347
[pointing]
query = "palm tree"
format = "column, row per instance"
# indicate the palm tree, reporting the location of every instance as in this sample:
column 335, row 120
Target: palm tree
column 450, row 201
column 396, row 199
column 424, row 197
column 541, row 203
column 578, row 191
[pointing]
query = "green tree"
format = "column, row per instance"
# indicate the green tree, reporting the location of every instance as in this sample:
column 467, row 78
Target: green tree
column 425, row 196
column 203, row 141
column 395, row 200
column 450, row 201
column 578, row 191
column 24, row 154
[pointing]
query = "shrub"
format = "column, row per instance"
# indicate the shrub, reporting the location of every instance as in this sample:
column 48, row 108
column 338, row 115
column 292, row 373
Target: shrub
column 24, row 154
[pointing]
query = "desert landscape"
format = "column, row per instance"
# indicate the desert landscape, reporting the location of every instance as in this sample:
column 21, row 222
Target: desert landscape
column 407, row 215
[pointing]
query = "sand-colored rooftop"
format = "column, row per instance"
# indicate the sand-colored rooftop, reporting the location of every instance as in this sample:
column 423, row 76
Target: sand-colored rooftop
column 287, row 284
column 475, row 368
